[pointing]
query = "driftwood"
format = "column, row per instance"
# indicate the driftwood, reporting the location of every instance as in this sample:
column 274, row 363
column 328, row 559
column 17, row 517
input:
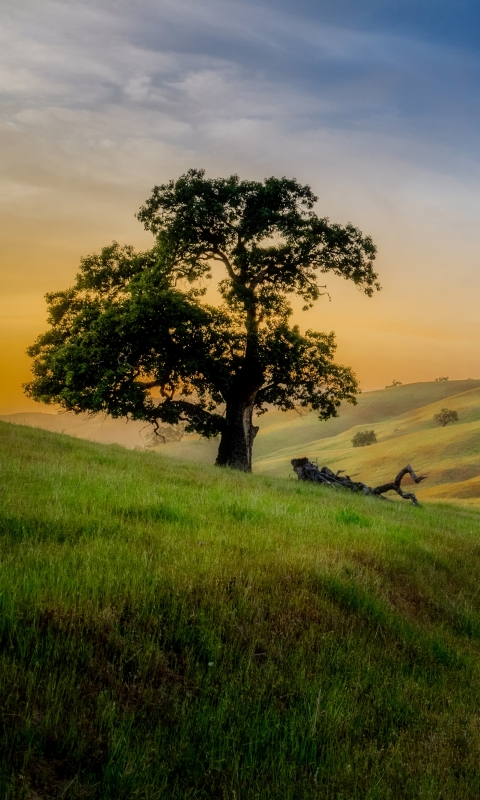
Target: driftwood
column 307, row 471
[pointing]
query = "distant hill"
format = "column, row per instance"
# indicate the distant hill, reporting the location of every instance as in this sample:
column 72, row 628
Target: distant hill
column 450, row 456
column 402, row 417
column 96, row 429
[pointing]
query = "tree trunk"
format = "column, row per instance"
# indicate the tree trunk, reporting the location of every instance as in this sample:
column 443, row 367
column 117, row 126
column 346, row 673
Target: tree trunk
column 235, row 449
column 236, row 444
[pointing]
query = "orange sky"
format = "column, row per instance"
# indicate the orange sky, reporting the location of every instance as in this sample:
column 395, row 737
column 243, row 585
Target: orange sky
column 94, row 116
column 424, row 322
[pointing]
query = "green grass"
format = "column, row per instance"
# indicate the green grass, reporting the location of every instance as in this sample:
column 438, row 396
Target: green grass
column 176, row 631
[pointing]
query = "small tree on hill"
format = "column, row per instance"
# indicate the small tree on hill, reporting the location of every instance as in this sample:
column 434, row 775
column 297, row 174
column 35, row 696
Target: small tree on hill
column 445, row 416
column 442, row 378
column 364, row 438
column 133, row 338
column 393, row 384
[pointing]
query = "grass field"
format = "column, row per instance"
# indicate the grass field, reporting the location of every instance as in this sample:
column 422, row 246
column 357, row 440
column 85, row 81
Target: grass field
column 176, row 632
column 402, row 418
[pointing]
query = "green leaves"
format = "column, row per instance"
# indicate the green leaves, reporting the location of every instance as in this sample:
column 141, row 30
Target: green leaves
column 133, row 338
column 263, row 233
column 107, row 350
column 445, row 416
column 299, row 370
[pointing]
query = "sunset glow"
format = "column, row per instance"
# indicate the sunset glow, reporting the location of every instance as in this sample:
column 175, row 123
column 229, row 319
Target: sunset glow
column 377, row 112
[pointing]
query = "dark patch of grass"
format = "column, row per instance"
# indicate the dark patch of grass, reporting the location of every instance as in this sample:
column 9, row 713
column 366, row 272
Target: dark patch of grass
column 160, row 512
column 347, row 516
column 243, row 513
column 36, row 528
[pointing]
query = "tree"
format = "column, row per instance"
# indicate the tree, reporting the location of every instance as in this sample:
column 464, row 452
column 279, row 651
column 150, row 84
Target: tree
column 133, row 337
column 364, row 438
column 393, row 384
column 445, row 416
column 442, row 378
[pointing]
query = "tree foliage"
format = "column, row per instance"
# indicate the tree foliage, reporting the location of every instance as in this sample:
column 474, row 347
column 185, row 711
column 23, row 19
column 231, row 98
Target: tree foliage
column 364, row 438
column 134, row 336
column 445, row 416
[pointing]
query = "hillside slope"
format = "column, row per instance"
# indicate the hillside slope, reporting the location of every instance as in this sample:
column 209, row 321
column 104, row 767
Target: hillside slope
column 98, row 428
column 447, row 455
column 170, row 632
column 403, row 421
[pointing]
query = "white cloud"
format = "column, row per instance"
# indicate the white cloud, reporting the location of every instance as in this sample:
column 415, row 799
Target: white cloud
column 102, row 101
column 17, row 192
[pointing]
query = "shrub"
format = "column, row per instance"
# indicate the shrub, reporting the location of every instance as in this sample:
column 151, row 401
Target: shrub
column 363, row 438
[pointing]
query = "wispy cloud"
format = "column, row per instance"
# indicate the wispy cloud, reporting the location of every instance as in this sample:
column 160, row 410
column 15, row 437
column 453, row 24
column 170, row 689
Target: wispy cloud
column 100, row 101
column 114, row 91
column 169, row 54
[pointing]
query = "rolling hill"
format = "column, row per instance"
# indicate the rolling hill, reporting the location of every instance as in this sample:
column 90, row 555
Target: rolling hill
column 98, row 428
column 174, row 632
column 402, row 418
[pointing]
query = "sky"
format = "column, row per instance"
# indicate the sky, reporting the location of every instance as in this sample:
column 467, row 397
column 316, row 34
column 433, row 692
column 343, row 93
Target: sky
column 375, row 104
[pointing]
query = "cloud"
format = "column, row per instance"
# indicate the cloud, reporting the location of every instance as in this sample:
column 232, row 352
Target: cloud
column 103, row 100
column 114, row 91
column 154, row 52
column 17, row 192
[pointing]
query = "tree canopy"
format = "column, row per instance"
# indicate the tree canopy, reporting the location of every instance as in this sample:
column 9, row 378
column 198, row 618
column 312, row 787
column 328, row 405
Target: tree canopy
column 445, row 416
column 134, row 336
column 364, row 438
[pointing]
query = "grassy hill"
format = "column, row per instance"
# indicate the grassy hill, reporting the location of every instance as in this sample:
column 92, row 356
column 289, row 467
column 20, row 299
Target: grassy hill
column 170, row 632
column 403, row 421
column 99, row 428
column 450, row 457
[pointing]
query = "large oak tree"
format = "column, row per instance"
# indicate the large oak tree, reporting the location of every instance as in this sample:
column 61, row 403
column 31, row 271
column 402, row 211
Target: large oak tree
column 134, row 337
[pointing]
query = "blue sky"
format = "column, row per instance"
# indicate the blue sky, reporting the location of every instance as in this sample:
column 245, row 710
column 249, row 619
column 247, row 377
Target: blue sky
column 375, row 104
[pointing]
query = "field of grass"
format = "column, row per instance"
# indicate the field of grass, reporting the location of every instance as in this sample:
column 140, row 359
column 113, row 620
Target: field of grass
column 402, row 418
column 176, row 632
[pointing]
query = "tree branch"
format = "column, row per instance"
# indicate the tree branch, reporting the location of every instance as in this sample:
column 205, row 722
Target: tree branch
column 264, row 275
column 201, row 420
column 164, row 393
column 306, row 471
column 219, row 255
column 395, row 486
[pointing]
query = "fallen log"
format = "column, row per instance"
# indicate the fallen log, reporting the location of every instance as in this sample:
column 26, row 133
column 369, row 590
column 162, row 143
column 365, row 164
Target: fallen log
column 306, row 471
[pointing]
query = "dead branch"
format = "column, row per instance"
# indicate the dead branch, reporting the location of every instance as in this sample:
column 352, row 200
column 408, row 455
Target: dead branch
column 396, row 485
column 306, row 471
